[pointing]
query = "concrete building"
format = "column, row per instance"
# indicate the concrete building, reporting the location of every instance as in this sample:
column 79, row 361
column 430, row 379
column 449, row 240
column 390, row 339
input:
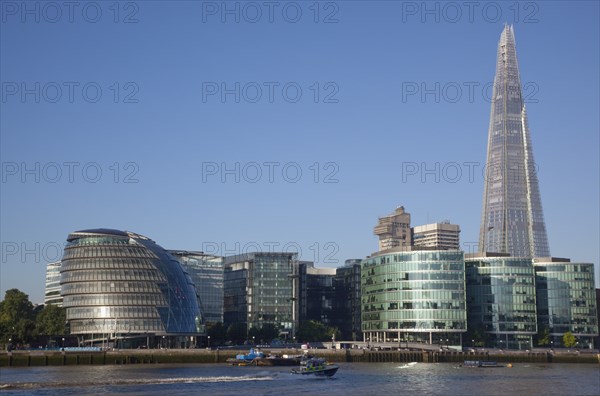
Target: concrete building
column 437, row 236
column 394, row 230
column 52, row 289
column 258, row 289
column 206, row 272
column 566, row 300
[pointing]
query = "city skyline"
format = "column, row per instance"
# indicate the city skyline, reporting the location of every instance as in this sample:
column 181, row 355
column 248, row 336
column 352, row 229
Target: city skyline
column 397, row 128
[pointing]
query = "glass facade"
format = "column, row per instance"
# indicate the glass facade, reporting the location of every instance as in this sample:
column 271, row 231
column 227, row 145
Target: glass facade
column 414, row 296
column 566, row 301
column 347, row 301
column 501, row 300
column 206, row 272
column 122, row 283
column 316, row 294
column 258, row 289
column 52, row 290
column 512, row 220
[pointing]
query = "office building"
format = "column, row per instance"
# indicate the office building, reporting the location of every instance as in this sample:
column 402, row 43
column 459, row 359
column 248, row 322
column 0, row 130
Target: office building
column 347, row 313
column 501, row 300
column 259, row 289
column 52, row 290
column 121, row 288
column 512, row 220
column 436, row 236
column 316, row 294
column 566, row 300
column 394, row 230
column 206, row 272
column 416, row 296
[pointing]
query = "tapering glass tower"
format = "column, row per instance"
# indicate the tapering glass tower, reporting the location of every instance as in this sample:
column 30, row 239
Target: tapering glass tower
column 512, row 220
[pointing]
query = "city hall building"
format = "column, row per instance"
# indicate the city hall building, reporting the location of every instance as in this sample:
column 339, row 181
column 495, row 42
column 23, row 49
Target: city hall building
column 122, row 289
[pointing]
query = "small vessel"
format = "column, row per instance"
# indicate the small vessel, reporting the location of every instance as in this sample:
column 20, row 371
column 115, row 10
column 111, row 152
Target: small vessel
column 481, row 364
column 317, row 367
column 248, row 359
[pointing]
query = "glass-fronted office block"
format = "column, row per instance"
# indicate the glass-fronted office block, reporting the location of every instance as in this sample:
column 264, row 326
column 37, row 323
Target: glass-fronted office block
column 414, row 296
column 316, row 294
column 206, row 272
column 347, row 313
column 566, row 300
column 52, row 290
column 123, row 287
column 258, row 290
column 501, row 301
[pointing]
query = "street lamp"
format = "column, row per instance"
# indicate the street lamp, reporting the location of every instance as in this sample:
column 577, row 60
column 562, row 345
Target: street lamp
column 63, row 342
column 208, row 342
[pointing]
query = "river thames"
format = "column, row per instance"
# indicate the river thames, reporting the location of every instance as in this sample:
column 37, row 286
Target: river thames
column 351, row 379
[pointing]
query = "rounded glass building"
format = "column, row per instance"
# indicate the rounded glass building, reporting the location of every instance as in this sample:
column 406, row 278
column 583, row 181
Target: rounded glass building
column 416, row 296
column 123, row 289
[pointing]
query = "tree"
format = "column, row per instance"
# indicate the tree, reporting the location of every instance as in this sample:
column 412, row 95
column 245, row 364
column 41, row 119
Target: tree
column 236, row 333
column 16, row 316
column 217, row 333
column 51, row 321
column 544, row 337
column 478, row 335
column 316, row 331
column 569, row 340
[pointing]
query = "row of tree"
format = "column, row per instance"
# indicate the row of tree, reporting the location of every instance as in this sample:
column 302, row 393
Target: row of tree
column 309, row 331
column 21, row 322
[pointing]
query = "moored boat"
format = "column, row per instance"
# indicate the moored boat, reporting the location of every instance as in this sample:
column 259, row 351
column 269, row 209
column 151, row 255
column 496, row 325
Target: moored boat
column 481, row 364
column 316, row 367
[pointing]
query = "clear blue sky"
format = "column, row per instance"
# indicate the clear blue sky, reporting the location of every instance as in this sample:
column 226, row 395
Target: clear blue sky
column 176, row 54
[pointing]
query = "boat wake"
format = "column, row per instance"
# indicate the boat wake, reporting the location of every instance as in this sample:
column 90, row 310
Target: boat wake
column 263, row 376
column 407, row 365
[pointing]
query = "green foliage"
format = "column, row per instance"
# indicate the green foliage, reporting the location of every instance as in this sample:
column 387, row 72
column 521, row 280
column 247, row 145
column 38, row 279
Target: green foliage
column 51, row 321
column 16, row 317
column 316, row 331
column 569, row 340
column 479, row 335
column 237, row 333
column 544, row 337
column 217, row 333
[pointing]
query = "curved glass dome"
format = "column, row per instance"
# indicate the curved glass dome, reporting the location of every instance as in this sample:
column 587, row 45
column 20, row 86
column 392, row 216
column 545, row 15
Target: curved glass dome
column 121, row 282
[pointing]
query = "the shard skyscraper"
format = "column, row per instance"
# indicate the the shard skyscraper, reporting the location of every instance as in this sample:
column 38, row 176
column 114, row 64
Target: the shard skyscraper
column 512, row 220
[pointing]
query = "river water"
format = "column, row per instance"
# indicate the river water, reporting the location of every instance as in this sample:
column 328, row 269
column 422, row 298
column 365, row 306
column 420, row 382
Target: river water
column 414, row 379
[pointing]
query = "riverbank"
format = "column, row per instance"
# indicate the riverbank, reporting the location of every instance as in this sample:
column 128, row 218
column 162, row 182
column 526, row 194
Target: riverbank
column 155, row 356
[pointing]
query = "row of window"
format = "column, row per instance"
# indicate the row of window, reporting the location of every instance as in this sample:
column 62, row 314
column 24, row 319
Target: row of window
column 111, row 312
column 424, row 325
column 95, row 263
column 414, row 267
column 99, row 251
column 114, row 299
column 100, row 240
column 133, row 326
column 414, row 285
column 434, row 314
column 117, row 275
column 103, row 287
